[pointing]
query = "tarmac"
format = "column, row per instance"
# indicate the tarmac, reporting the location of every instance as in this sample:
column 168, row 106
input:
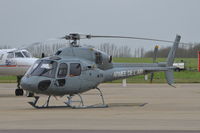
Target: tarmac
column 137, row 107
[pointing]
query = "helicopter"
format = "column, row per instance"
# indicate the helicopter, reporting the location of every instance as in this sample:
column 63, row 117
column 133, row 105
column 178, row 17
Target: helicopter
column 15, row 62
column 76, row 69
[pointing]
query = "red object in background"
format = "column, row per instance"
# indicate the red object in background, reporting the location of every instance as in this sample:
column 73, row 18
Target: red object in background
column 199, row 60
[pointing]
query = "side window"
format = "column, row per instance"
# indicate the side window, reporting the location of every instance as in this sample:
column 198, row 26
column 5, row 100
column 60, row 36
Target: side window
column 19, row 55
column 10, row 55
column 62, row 71
column 75, row 69
column 98, row 57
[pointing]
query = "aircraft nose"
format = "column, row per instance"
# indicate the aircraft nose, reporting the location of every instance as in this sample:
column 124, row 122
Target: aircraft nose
column 35, row 84
column 27, row 84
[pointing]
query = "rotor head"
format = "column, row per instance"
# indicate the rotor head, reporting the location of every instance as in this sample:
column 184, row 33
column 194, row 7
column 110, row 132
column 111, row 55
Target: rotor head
column 74, row 37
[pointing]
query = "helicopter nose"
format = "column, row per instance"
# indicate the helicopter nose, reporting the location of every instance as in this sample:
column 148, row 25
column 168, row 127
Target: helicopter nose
column 35, row 84
column 27, row 84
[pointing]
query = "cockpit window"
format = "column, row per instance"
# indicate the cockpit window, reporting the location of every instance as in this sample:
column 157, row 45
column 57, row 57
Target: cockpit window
column 10, row 55
column 75, row 69
column 98, row 58
column 62, row 71
column 18, row 55
column 26, row 54
column 44, row 68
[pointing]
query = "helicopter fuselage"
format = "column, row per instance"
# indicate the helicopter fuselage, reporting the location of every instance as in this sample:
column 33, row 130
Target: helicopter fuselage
column 72, row 70
column 78, row 69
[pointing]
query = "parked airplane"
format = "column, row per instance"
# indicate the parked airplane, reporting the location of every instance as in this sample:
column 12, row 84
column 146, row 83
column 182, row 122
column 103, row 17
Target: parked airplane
column 15, row 62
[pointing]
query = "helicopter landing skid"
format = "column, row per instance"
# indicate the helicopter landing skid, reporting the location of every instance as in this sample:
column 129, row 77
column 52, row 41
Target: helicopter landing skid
column 46, row 105
column 82, row 106
column 69, row 103
column 34, row 102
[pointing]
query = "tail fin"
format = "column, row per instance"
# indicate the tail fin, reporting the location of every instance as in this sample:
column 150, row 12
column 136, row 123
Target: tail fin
column 170, row 60
column 172, row 52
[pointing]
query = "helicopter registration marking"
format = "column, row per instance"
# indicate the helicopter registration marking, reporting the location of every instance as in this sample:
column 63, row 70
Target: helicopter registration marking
column 128, row 73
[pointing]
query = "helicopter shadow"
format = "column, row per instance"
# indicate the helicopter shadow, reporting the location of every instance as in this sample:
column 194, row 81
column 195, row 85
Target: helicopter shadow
column 6, row 95
column 109, row 105
column 127, row 104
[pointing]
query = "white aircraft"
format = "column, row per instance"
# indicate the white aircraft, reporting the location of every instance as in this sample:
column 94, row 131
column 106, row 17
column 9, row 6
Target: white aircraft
column 15, row 62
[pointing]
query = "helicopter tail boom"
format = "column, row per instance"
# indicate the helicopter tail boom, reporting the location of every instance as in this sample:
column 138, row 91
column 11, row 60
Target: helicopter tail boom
column 124, row 70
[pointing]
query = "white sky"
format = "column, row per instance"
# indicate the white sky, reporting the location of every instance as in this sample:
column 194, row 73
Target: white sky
column 28, row 21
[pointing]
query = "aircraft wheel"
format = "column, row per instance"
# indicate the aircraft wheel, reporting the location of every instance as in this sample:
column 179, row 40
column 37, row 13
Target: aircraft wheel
column 19, row 92
column 29, row 94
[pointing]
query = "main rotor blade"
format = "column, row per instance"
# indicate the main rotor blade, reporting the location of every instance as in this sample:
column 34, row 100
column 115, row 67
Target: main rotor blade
column 136, row 38
column 76, row 36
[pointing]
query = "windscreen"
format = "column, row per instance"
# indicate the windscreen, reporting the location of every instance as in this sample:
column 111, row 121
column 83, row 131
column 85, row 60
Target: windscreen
column 46, row 68
column 18, row 55
column 26, row 54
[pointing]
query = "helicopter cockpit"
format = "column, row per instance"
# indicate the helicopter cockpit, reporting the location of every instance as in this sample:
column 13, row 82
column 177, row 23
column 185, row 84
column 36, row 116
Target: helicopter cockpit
column 19, row 54
column 46, row 68
column 52, row 69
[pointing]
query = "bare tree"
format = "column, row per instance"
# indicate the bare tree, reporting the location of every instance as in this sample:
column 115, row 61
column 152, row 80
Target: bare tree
column 48, row 48
column 5, row 47
column 142, row 52
column 183, row 52
column 111, row 49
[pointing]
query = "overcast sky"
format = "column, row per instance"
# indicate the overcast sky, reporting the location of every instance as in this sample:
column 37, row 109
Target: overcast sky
column 28, row 21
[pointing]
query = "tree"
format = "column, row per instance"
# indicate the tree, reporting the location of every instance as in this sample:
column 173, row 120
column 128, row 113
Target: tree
column 182, row 52
column 5, row 47
column 48, row 48
column 111, row 49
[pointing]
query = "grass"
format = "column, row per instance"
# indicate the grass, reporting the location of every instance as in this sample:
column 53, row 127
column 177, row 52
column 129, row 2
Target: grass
column 191, row 75
column 8, row 79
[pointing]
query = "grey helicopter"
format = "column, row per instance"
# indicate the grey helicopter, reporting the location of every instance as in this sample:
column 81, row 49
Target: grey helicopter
column 76, row 69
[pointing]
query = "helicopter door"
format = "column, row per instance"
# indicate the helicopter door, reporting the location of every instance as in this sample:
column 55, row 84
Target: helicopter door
column 62, row 73
column 90, row 78
column 73, row 81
